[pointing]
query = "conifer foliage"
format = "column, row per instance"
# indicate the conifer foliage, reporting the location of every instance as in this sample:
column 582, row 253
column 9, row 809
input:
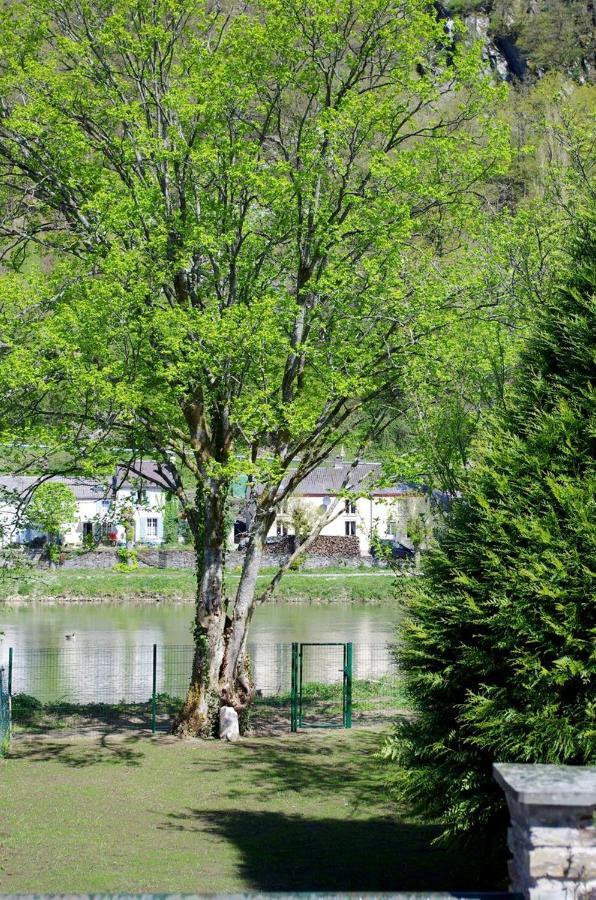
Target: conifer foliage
column 498, row 651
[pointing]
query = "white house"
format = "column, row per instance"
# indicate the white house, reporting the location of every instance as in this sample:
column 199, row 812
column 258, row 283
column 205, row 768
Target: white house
column 369, row 512
column 102, row 506
column 137, row 495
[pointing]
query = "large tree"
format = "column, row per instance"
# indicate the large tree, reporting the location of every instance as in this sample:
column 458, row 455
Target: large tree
column 225, row 201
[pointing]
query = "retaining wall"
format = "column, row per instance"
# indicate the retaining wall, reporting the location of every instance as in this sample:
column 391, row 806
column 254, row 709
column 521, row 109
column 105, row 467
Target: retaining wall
column 107, row 558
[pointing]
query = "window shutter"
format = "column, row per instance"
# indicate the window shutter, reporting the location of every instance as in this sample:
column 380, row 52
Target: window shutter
column 142, row 528
column 160, row 528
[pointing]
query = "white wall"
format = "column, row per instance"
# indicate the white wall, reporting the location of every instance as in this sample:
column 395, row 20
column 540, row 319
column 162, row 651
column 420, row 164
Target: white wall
column 371, row 516
column 96, row 511
column 8, row 529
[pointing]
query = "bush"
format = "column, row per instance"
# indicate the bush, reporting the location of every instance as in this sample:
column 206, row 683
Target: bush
column 498, row 645
column 128, row 560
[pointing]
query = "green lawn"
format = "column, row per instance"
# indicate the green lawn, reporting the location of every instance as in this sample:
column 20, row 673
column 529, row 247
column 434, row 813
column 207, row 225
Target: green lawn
column 179, row 584
column 299, row 812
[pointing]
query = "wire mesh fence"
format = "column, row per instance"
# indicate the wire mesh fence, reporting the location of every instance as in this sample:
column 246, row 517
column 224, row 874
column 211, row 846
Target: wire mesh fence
column 4, row 712
column 90, row 688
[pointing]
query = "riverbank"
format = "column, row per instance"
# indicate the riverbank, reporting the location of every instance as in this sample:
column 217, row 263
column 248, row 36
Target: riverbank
column 179, row 586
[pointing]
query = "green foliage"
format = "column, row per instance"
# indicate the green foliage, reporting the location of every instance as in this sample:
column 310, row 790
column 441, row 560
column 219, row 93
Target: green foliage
column 558, row 34
column 128, row 560
column 52, row 509
column 89, row 542
column 549, row 34
column 418, row 529
column 238, row 245
column 298, row 563
column 171, row 521
column 303, row 518
column 54, row 554
column 498, row 647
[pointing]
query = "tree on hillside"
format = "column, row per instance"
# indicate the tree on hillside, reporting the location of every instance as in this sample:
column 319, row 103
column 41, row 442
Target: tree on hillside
column 498, row 647
column 52, row 509
column 231, row 199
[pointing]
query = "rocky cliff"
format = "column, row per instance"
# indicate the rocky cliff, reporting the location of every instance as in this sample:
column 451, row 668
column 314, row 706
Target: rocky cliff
column 524, row 39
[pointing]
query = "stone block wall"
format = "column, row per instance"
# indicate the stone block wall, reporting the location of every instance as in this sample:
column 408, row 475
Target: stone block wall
column 552, row 837
column 324, row 552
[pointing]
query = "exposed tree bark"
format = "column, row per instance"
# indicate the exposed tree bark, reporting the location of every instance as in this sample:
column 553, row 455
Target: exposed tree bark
column 199, row 714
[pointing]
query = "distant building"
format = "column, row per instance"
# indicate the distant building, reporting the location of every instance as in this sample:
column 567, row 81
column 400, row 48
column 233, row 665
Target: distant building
column 102, row 507
column 134, row 499
column 379, row 512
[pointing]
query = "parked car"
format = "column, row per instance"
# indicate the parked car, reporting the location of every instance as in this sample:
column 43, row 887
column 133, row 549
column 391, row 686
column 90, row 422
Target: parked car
column 385, row 548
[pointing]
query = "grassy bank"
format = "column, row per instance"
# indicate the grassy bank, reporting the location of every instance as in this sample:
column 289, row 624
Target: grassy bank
column 180, row 584
column 298, row 813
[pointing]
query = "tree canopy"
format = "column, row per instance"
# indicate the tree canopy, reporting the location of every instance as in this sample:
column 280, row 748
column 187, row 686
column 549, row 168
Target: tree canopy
column 52, row 509
column 231, row 210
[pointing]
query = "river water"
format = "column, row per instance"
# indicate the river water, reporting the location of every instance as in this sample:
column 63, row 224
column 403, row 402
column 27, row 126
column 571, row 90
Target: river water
column 109, row 649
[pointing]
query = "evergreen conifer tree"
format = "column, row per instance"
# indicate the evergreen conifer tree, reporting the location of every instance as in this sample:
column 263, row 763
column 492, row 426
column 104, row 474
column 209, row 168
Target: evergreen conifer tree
column 499, row 650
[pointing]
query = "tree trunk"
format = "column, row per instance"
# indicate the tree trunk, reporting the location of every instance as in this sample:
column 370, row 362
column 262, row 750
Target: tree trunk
column 220, row 675
column 200, row 714
column 236, row 688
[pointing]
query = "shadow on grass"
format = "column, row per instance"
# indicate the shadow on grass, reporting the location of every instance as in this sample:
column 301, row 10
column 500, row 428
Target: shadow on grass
column 366, row 846
column 281, row 852
column 31, row 716
column 322, row 766
column 77, row 755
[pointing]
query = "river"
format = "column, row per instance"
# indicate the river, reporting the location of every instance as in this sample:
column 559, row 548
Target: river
column 116, row 640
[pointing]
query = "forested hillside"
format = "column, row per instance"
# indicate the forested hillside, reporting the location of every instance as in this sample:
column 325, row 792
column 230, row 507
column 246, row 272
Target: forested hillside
column 542, row 53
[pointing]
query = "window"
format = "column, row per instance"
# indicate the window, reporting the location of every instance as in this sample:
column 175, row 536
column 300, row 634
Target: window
column 282, row 529
column 392, row 527
column 350, row 528
column 350, row 508
column 151, row 528
column 106, row 504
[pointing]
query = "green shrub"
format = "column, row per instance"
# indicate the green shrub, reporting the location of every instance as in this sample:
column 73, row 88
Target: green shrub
column 128, row 560
column 25, row 708
column 498, row 650
column 298, row 563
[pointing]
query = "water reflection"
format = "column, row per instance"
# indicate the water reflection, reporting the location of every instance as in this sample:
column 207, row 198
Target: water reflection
column 110, row 658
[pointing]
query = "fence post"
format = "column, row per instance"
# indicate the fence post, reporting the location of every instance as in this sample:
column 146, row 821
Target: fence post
column 294, row 690
column 154, row 692
column 10, row 671
column 348, row 686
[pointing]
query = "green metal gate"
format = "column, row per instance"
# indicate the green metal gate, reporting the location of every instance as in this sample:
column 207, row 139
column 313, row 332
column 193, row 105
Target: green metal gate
column 321, row 685
column 4, row 712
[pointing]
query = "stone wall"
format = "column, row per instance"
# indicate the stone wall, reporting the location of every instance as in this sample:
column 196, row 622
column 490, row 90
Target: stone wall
column 90, row 559
column 552, row 838
column 336, row 551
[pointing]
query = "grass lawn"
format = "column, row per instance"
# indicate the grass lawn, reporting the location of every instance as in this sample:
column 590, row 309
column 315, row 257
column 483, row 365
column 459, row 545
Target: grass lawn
column 300, row 812
column 179, row 584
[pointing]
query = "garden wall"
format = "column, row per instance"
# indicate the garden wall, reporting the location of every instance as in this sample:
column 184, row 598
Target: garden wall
column 324, row 552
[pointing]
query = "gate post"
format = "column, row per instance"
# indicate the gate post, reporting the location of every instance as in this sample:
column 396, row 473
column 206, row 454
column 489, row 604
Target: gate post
column 348, row 685
column 154, row 692
column 294, row 690
column 10, row 671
